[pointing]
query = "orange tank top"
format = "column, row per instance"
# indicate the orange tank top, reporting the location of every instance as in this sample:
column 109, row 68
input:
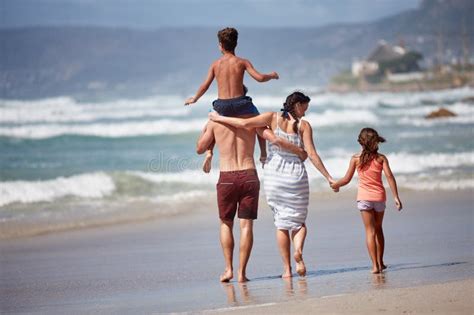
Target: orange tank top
column 370, row 182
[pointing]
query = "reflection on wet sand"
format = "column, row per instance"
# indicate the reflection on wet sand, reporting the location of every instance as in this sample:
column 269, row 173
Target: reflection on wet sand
column 245, row 296
column 379, row 280
column 302, row 287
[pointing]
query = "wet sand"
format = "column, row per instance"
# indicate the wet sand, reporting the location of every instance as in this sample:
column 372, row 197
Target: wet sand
column 173, row 264
column 447, row 298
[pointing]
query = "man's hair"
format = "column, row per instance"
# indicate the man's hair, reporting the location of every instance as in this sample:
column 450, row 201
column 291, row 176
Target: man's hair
column 228, row 38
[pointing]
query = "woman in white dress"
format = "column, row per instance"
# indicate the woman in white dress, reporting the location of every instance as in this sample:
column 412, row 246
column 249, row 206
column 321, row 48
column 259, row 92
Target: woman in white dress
column 285, row 178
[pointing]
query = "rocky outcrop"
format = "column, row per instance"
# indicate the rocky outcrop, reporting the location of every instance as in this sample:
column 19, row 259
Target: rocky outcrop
column 440, row 113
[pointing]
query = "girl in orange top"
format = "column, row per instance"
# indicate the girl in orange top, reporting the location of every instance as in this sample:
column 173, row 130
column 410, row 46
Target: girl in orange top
column 371, row 193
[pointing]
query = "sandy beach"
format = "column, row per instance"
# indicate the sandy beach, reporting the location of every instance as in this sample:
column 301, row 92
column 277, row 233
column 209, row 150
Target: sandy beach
column 172, row 264
column 447, row 298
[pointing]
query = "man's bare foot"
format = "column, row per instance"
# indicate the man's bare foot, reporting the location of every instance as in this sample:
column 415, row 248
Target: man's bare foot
column 286, row 274
column 226, row 276
column 300, row 266
column 382, row 267
column 206, row 165
column 242, row 278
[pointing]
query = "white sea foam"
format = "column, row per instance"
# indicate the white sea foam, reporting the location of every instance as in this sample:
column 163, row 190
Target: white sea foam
column 400, row 163
column 458, row 108
column 66, row 109
column 342, row 117
column 188, row 177
column 112, row 130
column 436, row 184
column 189, row 196
column 91, row 185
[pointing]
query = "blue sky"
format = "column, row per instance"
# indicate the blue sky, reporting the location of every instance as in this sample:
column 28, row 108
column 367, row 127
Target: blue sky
column 175, row 13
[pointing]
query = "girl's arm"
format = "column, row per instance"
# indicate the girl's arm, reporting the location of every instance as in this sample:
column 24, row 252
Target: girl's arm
column 349, row 174
column 261, row 120
column 307, row 135
column 391, row 182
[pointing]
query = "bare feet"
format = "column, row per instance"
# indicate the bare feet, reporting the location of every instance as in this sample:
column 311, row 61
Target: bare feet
column 242, row 278
column 382, row 267
column 226, row 276
column 286, row 274
column 375, row 270
column 206, row 165
column 300, row 266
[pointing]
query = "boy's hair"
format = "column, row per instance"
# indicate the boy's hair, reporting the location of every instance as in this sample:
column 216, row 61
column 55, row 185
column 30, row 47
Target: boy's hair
column 369, row 139
column 228, row 38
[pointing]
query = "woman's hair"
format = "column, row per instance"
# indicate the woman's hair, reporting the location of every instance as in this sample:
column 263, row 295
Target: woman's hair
column 369, row 139
column 289, row 106
column 228, row 38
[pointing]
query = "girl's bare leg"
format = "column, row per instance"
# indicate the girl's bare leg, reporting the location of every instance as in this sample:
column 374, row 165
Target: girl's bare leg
column 368, row 217
column 283, row 240
column 380, row 239
column 298, row 238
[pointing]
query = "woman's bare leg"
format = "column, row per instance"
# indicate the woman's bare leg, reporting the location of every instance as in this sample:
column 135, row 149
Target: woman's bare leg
column 380, row 239
column 368, row 217
column 283, row 240
column 298, row 238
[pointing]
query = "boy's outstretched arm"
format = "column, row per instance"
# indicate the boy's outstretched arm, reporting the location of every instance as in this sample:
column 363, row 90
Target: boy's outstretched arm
column 205, row 139
column 349, row 174
column 268, row 135
column 391, row 182
column 203, row 88
column 259, row 76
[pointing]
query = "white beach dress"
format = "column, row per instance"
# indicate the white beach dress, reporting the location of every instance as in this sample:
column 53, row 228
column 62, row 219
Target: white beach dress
column 286, row 184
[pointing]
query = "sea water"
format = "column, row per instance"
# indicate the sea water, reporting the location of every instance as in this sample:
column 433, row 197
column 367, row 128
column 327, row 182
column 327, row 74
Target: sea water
column 68, row 163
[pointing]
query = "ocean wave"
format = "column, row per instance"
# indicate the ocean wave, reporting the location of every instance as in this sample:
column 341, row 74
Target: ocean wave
column 388, row 99
column 341, row 117
column 110, row 130
column 458, row 108
column 92, row 185
column 423, row 122
column 187, row 177
column 66, row 109
column 440, row 184
column 400, row 162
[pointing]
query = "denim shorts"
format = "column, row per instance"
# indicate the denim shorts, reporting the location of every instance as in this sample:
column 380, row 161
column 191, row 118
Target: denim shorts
column 378, row 206
column 233, row 107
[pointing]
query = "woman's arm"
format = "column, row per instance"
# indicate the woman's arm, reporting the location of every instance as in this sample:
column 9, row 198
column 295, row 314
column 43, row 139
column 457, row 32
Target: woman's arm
column 307, row 135
column 268, row 135
column 261, row 120
column 349, row 174
column 391, row 182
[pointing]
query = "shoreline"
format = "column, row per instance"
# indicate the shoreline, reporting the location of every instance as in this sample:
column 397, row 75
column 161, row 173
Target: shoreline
column 123, row 219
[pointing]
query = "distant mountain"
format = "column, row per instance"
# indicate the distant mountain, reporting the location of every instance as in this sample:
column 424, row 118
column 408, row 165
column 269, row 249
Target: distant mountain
column 105, row 62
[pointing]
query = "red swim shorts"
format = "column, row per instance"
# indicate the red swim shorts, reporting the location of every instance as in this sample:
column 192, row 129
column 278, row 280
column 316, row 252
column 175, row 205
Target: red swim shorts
column 238, row 191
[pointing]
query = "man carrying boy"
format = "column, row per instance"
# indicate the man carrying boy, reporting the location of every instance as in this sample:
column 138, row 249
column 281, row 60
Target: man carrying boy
column 229, row 72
